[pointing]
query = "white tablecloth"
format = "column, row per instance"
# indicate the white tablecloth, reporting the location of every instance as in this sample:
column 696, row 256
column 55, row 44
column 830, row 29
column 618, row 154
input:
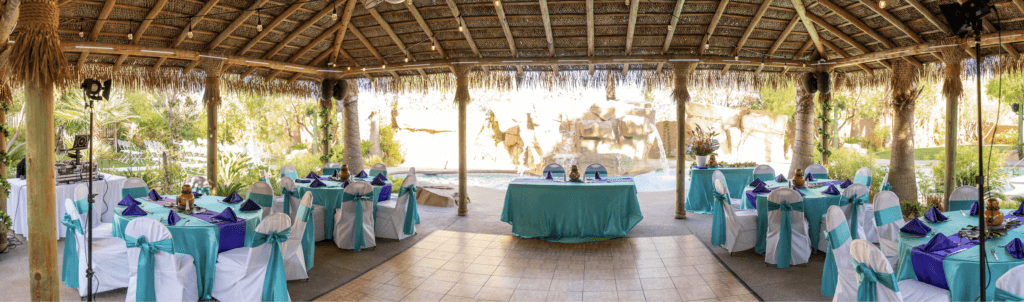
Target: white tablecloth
column 108, row 193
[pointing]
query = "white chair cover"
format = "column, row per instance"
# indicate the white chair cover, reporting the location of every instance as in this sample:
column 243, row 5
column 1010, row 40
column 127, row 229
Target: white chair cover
column 133, row 185
column 294, row 201
column 378, row 168
column 557, row 171
column 294, row 255
column 332, row 165
column 799, row 242
column 817, row 170
column 962, row 198
column 740, row 226
column 838, row 280
column 864, row 252
column 885, row 183
column 764, row 172
column 345, row 218
column 263, row 194
column 863, row 176
column 1011, row 283
column 241, row 272
column 289, row 171
column 391, row 215
column 198, row 183
column 590, row 169
column 718, row 175
column 175, row 274
column 888, row 220
column 110, row 267
column 99, row 229
column 855, row 206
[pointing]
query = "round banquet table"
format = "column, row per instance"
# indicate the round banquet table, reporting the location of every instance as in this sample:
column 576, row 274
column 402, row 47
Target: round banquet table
column 958, row 271
column 108, row 193
column 197, row 235
column 569, row 212
column 330, row 197
column 701, row 191
column 816, row 205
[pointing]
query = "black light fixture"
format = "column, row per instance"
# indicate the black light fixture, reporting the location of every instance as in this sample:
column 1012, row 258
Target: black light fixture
column 967, row 17
column 1015, row 107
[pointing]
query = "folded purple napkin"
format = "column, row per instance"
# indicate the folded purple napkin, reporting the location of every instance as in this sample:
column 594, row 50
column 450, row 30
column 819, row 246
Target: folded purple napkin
column 312, row 175
column 335, row 174
column 756, row 182
column 597, row 175
column 547, row 175
column 379, row 180
column 831, row 190
column 916, row 227
column 934, row 215
column 800, row 192
column 780, row 178
column 197, row 194
column 173, row 218
column 317, row 183
column 233, row 198
column 362, row 174
column 846, row 183
column 1015, row 248
column 227, row 215
column 134, row 210
column 154, row 196
column 810, row 177
column 303, row 181
column 974, row 209
column 1019, row 211
column 127, row 201
column 346, row 183
column 761, row 189
column 249, row 205
column 938, row 243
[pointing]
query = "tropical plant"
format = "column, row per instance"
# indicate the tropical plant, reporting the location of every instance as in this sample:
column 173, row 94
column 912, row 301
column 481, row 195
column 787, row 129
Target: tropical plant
column 701, row 142
column 235, row 168
column 845, row 162
column 393, row 154
column 6, row 221
column 224, row 188
column 967, row 168
column 911, row 209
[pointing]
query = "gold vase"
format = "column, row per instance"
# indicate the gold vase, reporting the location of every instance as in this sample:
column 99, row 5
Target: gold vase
column 343, row 173
column 798, row 179
column 574, row 175
column 186, row 199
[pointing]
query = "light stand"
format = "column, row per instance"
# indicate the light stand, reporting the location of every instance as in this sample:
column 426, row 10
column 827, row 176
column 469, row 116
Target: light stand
column 92, row 92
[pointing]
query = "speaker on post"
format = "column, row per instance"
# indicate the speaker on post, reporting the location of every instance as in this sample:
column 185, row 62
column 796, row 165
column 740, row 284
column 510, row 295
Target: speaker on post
column 810, row 83
column 340, row 89
column 824, row 85
column 326, row 89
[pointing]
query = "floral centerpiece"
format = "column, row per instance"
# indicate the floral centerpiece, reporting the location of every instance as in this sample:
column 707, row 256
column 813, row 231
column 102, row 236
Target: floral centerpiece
column 701, row 143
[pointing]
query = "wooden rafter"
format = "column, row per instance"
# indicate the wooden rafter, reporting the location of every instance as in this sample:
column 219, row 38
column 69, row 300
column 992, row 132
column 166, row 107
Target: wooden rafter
column 369, row 46
column 625, row 69
column 339, row 38
column 547, row 25
column 144, row 25
column 70, row 46
column 930, row 17
column 782, row 38
column 465, row 32
column 630, row 28
column 590, row 31
column 426, row 29
column 298, row 31
column 199, row 18
column 844, row 54
column 323, row 36
column 811, row 31
column 893, row 20
column 856, row 22
column 96, row 29
column 269, row 28
column 242, row 17
column 711, row 30
column 387, row 28
column 672, row 27
column 1013, row 36
column 750, row 29
column 504, row 26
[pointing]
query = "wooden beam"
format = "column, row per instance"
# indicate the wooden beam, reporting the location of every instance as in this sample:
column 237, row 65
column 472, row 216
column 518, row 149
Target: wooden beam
column 97, row 27
column 625, row 69
column 750, row 29
column 242, row 17
column 1013, row 36
column 177, row 54
column 893, row 20
column 504, row 26
column 931, row 17
column 838, row 33
column 426, row 29
column 811, row 31
column 711, row 28
column 844, row 54
column 159, row 6
column 866, row 29
column 465, row 32
column 547, row 25
column 159, row 62
column 804, row 49
column 268, row 29
column 782, row 38
column 199, row 18
column 671, row 27
column 590, row 31
column 387, row 28
column 366, row 43
column 323, row 36
column 631, row 27
column 298, row 31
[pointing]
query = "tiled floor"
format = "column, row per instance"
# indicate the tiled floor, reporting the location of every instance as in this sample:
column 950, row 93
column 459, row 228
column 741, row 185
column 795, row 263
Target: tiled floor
column 455, row 266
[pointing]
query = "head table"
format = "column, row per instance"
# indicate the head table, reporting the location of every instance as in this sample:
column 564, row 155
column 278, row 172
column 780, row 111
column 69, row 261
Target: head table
column 956, row 269
column 199, row 235
column 569, row 212
column 816, row 204
column 330, row 197
column 702, row 191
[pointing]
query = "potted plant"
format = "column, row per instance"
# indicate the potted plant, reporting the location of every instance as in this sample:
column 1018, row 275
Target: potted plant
column 5, row 227
column 702, row 142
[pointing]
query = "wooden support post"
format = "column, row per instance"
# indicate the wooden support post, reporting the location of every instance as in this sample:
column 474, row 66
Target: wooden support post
column 609, row 86
column 353, row 153
column 681, row 95
column 462, row 98
column 952, row 90
column 211, row 97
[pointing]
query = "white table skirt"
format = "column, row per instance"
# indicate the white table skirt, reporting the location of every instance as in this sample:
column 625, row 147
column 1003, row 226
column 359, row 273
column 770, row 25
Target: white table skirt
column 108, row 193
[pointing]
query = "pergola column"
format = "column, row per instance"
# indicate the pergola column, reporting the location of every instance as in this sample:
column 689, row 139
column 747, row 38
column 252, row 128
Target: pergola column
column 462, row 97
column 952, row 90
column 38, row 62
column 211, row 97
column 904, row 97
column 353, row 153
column 682, row 96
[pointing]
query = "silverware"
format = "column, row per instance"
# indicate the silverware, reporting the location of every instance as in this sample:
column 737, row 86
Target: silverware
column 962, row 213
column 186, row 222
column 994, row 254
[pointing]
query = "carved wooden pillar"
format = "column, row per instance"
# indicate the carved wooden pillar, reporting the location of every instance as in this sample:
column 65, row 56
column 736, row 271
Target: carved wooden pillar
column 682, row 96
column 462, row 97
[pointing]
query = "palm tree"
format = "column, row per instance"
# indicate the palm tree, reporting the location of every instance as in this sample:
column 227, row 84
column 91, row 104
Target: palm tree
column 803, row 146
column 353, row 150
column 904, row 96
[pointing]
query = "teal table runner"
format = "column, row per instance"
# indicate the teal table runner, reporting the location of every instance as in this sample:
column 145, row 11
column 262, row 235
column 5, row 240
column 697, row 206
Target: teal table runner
column 701, row 192
column 816, row 205
column 330, row 198
column 197, row 238
column 570, row 212
column 961, row 269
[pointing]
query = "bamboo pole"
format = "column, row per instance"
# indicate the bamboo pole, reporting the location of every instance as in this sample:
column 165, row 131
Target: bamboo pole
column 462, row 97
column 211, row 97
column 682, row 96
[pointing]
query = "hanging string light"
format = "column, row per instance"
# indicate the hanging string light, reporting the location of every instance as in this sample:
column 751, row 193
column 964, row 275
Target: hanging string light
column 190, row 28
column 407, row 59
column 259, row 21
column 433, row 46
column 881, row 3
column 334, row 15
column 497, row 2
column 81, row 30
column 131, row 28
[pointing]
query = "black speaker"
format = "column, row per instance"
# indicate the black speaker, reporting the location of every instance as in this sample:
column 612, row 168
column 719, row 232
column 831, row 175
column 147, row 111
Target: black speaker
column 1016, row 107
column 340, row 89
column 824, row 85
column 810, row 83
column 326, row 89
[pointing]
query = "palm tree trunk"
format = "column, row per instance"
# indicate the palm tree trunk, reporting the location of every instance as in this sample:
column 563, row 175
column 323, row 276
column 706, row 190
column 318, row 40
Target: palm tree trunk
column 901, row 166
column 353, row 153
column 803, row 146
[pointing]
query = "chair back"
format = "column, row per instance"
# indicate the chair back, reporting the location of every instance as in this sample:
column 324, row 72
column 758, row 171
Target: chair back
column 730, row 212
column 303, row 218
column 164, row 265
column 262, row 193
column 331, row 168
column 410, row 179
column 71, row 209
column 590, row 169
column 853, row 197
column 259, row 255
column 1011, row 283
column 863, row 176
column 196, row 182
column 838, row 277
column 557, row 171
column 154, row 231
column 869, row 260
column 817, row 170
column 889, row 220
column 962, row 198
column 135, row 187
column 289, row 170
column 718, row 175
column 359, row 188
column 290, row 193
column 74, row 246
column 788, row 241
column 378, row 168
column 855, row 191
column 332, row 165
column 764, row 173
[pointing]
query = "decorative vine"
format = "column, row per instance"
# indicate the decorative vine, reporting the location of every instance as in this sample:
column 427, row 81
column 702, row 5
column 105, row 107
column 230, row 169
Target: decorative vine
column 325, row 126
column 825, row 119
column 4, row 157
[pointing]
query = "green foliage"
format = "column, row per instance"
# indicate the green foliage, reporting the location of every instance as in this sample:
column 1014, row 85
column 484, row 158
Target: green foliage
column 824, row 128
column 846, row 161
column 6, row 221
column 299, row 146
column 1007, row 137
column 880, row 135
column 225, row 189
column 235, row 168
column 150, row 176
column 393, row 154
column 325, row 140
column 777, row 99
column 911, row 208
column 396, row 181
column 967, row 168
column 1011, row 204
column 304, row 163
column 1008, row 85
column 364, row 147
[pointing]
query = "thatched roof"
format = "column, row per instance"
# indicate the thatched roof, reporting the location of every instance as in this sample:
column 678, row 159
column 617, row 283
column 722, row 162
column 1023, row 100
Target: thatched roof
column 300, row 39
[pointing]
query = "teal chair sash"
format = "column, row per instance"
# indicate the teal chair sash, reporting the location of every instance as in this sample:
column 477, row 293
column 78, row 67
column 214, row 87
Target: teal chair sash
column 201, row 190
column 139, row 192
column 888, row 215
column 856, row 202
column 1003, row 295
column 412, row 216
column 309, row 236
column 263, row 200
column 330, row 171
column 869, row 280
column 358, row 242
column 961, row 205
column 286, row 207
column 765, row 176
column 145, row 287
column 275, row 282
column 373, row 173
column 69, row 272
column 819, row 176
column 785, row 248
column 718, row 224
column 293, row 175
column 830, row 273
column 82, row 205
column 886, row 187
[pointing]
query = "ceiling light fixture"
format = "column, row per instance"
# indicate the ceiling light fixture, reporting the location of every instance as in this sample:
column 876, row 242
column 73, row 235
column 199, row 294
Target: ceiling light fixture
column 131, row 28
column 190, row 27
column 259, row 21
column 334, row 15
column 881, row 4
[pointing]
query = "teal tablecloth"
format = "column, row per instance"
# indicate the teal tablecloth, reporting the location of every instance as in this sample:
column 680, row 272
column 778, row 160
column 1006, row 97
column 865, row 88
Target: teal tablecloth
column 570, row 212
column 962, row 268
column 701, row 191
column 815, row 206
column 330, row 198
column 197, row 238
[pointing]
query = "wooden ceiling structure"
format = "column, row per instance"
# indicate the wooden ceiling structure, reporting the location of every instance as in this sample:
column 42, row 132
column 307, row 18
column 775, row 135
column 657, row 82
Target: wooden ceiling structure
column 302, row 40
